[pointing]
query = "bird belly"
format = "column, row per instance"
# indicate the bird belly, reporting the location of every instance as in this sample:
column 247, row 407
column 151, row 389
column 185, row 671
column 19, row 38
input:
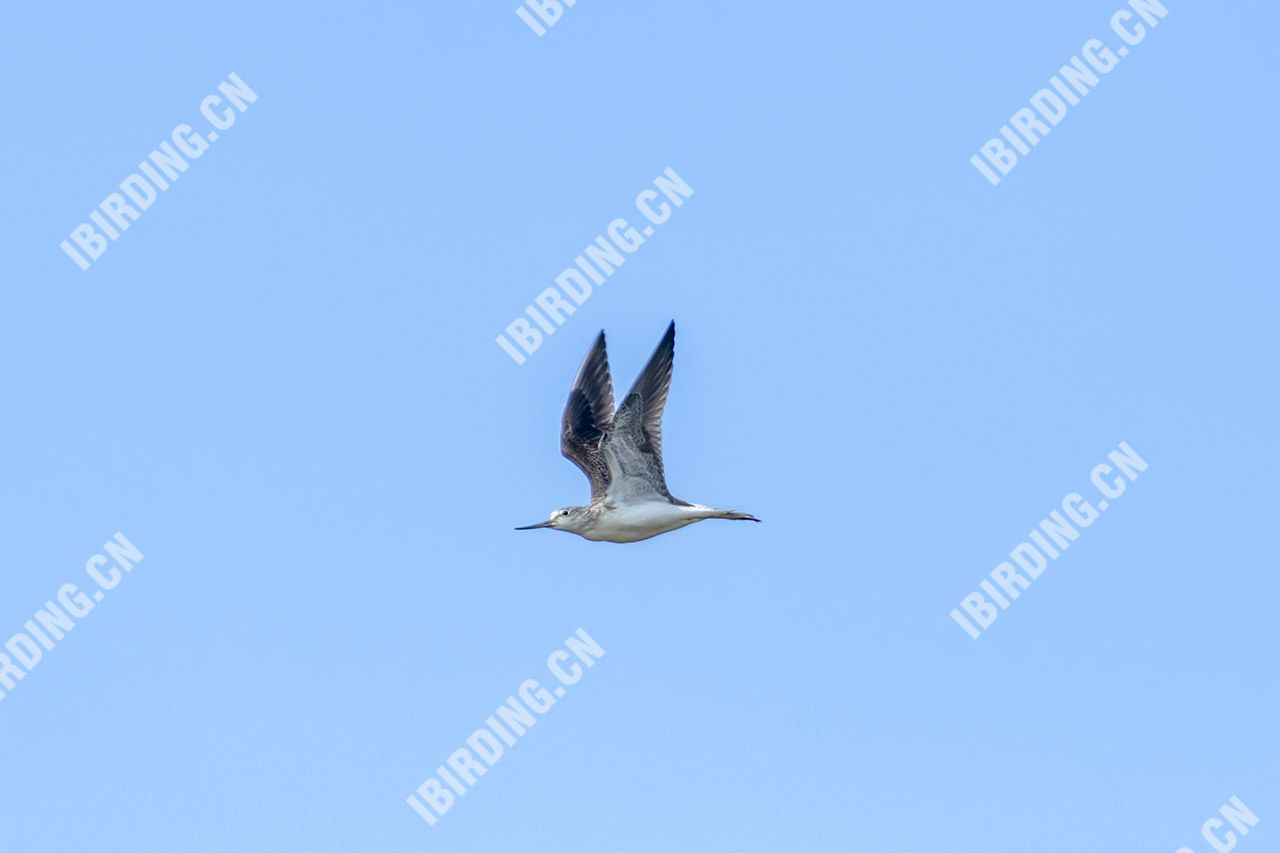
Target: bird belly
column 634, row 522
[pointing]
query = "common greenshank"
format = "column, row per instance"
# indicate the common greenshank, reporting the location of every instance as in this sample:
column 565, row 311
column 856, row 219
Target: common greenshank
column 621, row 454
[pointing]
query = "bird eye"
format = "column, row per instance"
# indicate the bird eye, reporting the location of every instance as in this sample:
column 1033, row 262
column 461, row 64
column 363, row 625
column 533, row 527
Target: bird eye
column 564, row 512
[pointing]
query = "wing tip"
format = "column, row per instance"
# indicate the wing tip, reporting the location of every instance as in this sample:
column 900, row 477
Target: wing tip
column 668, row 342
column 597, row 355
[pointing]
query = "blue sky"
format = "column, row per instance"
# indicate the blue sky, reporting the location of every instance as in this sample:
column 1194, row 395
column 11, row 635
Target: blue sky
column 281, row 385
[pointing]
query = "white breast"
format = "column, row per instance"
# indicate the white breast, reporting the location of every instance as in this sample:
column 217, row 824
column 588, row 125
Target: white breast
column 635, row 521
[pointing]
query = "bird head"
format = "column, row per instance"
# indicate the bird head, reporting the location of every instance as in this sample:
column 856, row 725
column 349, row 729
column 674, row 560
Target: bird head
column 570, row 518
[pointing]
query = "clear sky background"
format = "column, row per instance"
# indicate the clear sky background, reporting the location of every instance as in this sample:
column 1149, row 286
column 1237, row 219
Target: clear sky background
column 281, row 384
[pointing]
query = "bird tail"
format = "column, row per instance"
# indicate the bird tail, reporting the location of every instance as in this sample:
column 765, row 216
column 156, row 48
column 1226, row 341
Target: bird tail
column 732, row 514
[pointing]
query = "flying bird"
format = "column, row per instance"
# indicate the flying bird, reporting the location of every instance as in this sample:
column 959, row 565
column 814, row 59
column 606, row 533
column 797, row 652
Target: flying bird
column 621, row 454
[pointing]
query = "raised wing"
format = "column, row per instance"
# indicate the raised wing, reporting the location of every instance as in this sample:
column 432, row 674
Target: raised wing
column 587, row 416
column 633, row 445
